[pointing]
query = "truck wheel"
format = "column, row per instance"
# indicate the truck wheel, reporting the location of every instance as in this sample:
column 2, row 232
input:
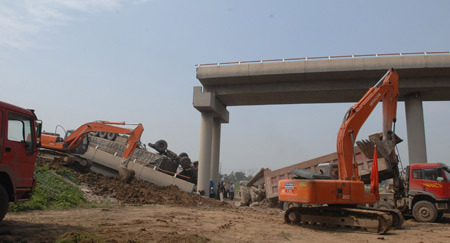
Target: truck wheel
column 111, row 136
column 95, row 134
column 425, row 211
column 185, row 162
column 183, row 155
column 161, row 146
column 4, row 202
column 102, row 134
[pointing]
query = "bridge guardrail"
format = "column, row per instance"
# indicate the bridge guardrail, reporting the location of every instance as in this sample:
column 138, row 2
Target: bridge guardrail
column 326, row 57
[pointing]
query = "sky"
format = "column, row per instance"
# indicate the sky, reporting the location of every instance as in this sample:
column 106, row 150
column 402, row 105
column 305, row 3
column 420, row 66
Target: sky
column 76, row 61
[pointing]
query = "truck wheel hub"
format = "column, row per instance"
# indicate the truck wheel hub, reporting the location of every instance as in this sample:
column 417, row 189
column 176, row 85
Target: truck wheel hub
column 424, row 212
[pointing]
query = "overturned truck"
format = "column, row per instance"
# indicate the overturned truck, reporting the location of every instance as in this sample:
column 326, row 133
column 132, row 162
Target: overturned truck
column 161, row 168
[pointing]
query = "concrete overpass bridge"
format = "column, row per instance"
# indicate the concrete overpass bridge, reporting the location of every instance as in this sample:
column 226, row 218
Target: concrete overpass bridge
column 423, row 77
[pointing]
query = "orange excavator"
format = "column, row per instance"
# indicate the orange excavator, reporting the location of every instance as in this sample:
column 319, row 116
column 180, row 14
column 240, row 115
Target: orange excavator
column 75, row 142
column 340, row 200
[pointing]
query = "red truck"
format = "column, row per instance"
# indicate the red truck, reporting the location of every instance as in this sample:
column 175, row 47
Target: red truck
column 426, row 195
column 19, row 144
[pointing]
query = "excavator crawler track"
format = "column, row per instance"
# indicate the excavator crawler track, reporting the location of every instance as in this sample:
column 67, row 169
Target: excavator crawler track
column 397, row 216
column 336, row 217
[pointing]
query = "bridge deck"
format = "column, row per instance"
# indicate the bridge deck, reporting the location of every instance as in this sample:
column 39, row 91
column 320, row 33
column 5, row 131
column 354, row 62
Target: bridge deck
column 324, row 81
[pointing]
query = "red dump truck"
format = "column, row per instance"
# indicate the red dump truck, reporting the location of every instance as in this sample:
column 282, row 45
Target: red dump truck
column 19, row 144
column 426, row 195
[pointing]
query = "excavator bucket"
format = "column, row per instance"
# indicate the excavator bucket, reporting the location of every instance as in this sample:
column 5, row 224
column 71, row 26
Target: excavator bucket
column 125, row 174
column 384, row 148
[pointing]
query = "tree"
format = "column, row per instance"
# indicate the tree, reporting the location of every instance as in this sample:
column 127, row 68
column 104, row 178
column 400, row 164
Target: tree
column 235, row 177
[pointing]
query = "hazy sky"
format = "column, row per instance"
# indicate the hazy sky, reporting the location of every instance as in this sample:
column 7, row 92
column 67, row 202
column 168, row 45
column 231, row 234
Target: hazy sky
column 76, row 61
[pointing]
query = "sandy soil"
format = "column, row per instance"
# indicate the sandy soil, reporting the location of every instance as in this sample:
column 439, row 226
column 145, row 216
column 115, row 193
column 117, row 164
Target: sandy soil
column 163, row 223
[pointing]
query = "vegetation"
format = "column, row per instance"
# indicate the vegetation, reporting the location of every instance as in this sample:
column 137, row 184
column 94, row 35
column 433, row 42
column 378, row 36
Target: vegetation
column 51, row 192
column 236, row 177
column 66, row 173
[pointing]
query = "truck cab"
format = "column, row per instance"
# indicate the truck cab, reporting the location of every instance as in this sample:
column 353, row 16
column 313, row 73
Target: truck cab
column 428, row 190
column 19, row 144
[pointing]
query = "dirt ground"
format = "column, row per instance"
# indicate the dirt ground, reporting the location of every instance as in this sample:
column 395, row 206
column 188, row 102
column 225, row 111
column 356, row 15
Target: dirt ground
column 144, row 212
column 163, row 223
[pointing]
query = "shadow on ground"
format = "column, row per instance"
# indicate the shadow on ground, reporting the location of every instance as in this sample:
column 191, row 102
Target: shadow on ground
column 18, row 231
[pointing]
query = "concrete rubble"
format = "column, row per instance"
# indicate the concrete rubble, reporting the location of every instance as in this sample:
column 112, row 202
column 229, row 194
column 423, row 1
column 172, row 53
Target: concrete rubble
column 158, row 169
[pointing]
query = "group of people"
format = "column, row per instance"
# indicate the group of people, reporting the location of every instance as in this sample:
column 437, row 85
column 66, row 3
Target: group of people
column 224, row 190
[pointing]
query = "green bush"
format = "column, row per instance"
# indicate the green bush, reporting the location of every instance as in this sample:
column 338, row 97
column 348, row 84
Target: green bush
column 51, row 192
column 66, row 173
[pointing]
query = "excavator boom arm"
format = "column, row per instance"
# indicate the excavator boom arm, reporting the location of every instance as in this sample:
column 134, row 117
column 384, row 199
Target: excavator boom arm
column 78, row 135
column 133, row 142
column 387, row 90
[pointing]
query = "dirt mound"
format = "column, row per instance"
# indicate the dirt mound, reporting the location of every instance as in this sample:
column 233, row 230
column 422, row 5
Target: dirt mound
column 139, row 192
column 136, row 192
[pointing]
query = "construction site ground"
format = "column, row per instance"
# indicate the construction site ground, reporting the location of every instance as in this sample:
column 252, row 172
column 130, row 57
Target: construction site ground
column 143, row 212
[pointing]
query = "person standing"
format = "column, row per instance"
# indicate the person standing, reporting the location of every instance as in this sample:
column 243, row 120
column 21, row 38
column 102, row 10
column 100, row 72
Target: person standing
column 212, row 193
column 232, row 191
column 218, row 191
column 221, row 190
column 227, row 188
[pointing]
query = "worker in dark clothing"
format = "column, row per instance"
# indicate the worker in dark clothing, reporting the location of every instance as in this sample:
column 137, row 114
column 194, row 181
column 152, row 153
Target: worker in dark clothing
column 221, row 190
column 218, row 191
column 212, row 192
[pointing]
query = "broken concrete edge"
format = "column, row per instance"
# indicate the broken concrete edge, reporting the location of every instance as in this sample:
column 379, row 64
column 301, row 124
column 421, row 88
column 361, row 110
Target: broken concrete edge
column 205, row 101
column 255, row 178
column 141, row 171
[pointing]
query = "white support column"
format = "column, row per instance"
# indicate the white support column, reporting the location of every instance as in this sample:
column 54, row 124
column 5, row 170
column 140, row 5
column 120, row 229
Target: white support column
column 215, row 151
column 213, row 114
column 415, row 129
column 204, row 160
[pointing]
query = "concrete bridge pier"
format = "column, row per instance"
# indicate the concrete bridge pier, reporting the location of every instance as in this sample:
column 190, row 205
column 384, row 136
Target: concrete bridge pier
column 213, row 114
column 215, row 156
column 415, row 129
column 204, row 160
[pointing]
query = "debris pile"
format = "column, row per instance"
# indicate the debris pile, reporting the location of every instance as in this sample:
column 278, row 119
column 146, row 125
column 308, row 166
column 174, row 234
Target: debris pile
column 254, row 193
column 137, row 192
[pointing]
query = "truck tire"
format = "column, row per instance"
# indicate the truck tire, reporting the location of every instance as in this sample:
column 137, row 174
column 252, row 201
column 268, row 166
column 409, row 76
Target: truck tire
column 95, row 134
column 111, row 136
column 102, row 134
column 425, row 211
column 4, row 202
column 185, row 162
column 183, row 155
column 161, row 146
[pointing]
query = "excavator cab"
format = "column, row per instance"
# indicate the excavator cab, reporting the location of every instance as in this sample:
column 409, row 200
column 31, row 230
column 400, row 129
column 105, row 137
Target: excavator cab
column 82, row 147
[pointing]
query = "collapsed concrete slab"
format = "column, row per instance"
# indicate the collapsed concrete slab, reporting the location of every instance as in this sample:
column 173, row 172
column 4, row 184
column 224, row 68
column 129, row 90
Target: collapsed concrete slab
column 107, row 156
